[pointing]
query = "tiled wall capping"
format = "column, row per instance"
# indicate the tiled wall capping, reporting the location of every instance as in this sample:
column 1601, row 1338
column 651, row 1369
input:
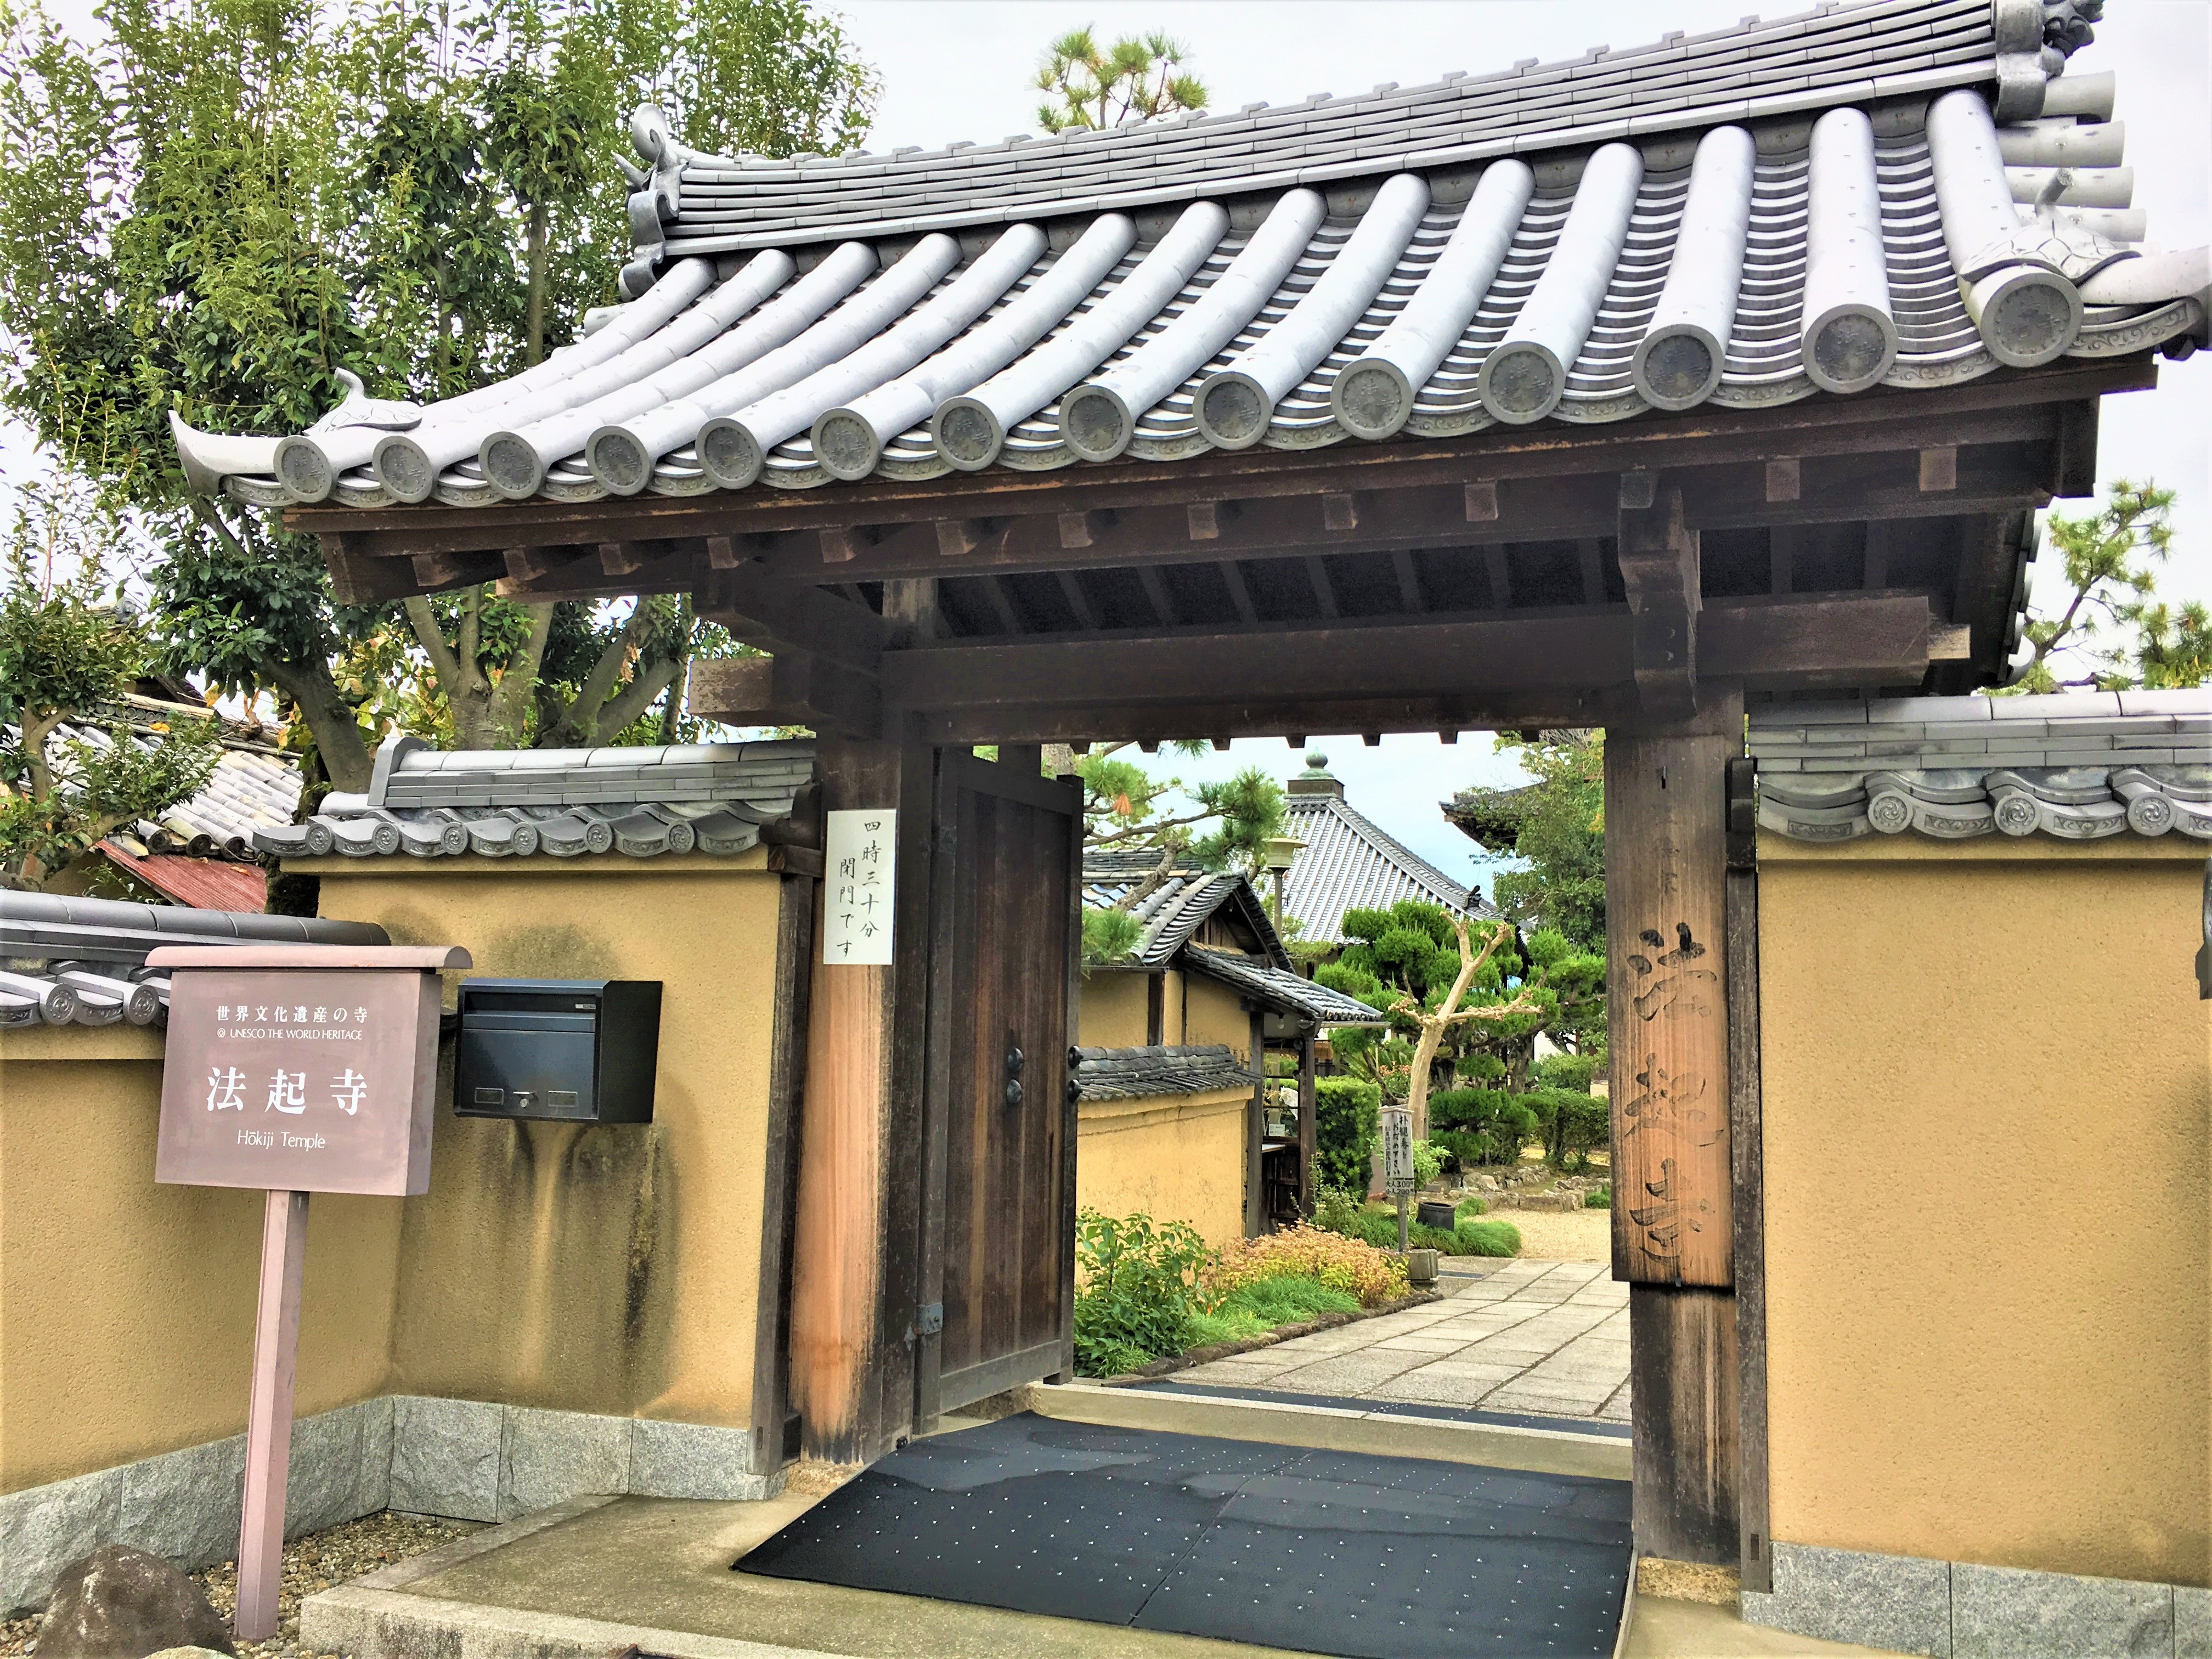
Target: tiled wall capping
column 1960, row 1610
column 463, row 1458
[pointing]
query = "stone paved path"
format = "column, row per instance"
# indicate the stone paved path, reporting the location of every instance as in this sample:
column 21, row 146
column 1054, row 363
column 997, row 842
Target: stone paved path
column 1546, row 1338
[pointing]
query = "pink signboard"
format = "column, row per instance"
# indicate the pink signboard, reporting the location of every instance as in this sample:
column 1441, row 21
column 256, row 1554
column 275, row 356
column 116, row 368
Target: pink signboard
column 300, row 1078
column 297, row 1069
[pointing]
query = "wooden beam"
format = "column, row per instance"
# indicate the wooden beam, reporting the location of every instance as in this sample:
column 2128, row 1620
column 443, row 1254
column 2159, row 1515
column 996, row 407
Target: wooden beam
column 1666, row 980
column 1681, row 1357
column 537, row 564
column 1782, row 481
column 1155, row 591
column 622, row 558
column 1809, row 641
column 797, row 897
column 1501, row 578
column 765, row 613
column 1204, row 519
column 1479, row 501
column 1747, row 1152
column 1154, row 724
column 2076, row 467
column 1590, row 553
column 1659, row 563
column 1324, row 595
column 1002, row 603
column 1665, row 806
column 1239, row 596
column 1409, row 582
column 911, row 615
column 1939, row 467
column 435, row 573
column 1339, row 511
column 789, row 689
column 1082, row 529
column 957, row 536
column 1255, row 1127
column 1071, row 588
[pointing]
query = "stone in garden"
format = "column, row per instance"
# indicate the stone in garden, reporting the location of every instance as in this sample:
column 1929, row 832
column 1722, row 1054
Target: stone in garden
column 122, row 1603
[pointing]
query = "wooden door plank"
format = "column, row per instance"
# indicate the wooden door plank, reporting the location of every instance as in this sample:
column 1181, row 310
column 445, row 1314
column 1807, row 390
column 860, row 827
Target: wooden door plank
column 938, row 1094
column 1071, row 912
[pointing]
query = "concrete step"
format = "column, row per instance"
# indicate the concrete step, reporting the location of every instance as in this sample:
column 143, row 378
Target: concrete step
column 1333, row 1428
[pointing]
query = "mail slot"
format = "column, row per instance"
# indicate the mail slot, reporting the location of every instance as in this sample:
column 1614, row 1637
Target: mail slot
column 576, row 1051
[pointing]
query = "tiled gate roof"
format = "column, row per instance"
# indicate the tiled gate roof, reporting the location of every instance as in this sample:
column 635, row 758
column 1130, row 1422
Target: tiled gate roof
column 1824, row 202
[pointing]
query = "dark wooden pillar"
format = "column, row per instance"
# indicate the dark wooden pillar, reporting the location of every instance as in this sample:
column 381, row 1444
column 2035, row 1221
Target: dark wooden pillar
column 797, row 897
column 1747, row 1148
column 1666, row 985
column 857, row 1239
column 1309, row 1144
column 1255, row 1129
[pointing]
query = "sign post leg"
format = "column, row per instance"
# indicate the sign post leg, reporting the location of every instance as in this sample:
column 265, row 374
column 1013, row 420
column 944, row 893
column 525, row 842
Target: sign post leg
column 268, row 1418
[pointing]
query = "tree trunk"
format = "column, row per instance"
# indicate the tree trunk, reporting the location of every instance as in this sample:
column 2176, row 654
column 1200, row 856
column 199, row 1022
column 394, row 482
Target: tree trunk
column 536, row 251
column 330, row 718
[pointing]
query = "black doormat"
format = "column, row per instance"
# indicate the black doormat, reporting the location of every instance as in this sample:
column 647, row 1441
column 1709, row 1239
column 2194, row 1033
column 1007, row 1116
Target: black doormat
column 1335, row 1552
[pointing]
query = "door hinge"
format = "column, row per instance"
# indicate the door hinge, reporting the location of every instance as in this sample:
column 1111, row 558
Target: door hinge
column 929, row 1319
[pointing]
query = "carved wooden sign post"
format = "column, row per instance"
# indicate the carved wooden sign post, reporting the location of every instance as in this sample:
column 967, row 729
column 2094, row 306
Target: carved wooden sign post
column 1666, row 989
column 295, row 1069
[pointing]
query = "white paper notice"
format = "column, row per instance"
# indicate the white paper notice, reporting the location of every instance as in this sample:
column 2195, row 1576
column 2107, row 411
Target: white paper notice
column 856, row 921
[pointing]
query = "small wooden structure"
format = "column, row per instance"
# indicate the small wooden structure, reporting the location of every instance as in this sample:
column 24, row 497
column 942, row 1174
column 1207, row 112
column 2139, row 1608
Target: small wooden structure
column 1622, row 392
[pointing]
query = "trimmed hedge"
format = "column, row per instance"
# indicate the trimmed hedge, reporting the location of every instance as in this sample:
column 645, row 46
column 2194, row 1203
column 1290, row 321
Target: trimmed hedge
column 1347, row 1127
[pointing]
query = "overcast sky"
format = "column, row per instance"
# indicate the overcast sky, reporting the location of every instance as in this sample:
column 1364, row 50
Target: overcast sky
column 961, row 69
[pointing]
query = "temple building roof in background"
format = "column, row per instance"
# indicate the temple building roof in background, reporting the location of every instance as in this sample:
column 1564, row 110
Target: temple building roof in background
column 1897, row 193
column 1181, row 905
column 1350, row 862
column 1280, row 988
column 2078, row 766
column 641, row 801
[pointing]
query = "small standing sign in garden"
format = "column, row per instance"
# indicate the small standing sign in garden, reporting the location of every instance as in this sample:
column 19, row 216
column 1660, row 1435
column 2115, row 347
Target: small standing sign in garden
column 293, row 1069
column 1398, row 1161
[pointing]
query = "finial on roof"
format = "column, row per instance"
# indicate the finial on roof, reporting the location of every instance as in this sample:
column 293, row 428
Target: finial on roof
column 1315, row 761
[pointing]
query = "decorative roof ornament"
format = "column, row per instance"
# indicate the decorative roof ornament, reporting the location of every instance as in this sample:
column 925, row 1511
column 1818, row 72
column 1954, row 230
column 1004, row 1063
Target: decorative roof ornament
column 358, row 408
column 654, row 197
column 2034, row 39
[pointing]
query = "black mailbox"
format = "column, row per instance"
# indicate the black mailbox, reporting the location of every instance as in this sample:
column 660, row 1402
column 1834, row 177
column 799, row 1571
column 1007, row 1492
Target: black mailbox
column 574, row 1050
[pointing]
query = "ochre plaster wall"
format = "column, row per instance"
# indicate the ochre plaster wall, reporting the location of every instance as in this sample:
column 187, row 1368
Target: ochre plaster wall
column 126, row 1309
column 1110, row 1014
column 617, row 1268
column 1214, row 1013
column 1988, row 1081
column 1176, row 1157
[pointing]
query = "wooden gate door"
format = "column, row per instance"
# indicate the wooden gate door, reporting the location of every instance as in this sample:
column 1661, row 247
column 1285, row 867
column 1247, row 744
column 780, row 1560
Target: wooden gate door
column 998, row 1225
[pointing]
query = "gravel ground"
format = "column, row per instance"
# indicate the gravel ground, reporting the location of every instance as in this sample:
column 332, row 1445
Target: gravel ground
column 311, row 1564
column 1575, row 1236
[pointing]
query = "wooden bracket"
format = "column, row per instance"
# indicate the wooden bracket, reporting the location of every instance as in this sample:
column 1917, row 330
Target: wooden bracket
column 1480, row 501
column 1939, row 468
column 1340, row 511
column 1783, row 480
column 1082, row 529
column 789, row 689
column 1206, row 519
column 1659, row 566
column 785, row 616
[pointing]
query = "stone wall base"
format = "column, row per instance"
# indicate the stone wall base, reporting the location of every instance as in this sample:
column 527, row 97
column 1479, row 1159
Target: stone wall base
column 465, row 1459
column 1960, row 1610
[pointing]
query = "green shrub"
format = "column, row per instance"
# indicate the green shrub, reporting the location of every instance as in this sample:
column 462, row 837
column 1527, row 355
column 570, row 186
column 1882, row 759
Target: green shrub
column 1489, row 1238
column 1379, row 1227
column 1138, row 1289
column 1598, row 1198
column 1347, row 1122
column 1267, row 1306
column 1428, row 1162
column 1336, row 1208
column 1480, row 1126
column 1571, row 1123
